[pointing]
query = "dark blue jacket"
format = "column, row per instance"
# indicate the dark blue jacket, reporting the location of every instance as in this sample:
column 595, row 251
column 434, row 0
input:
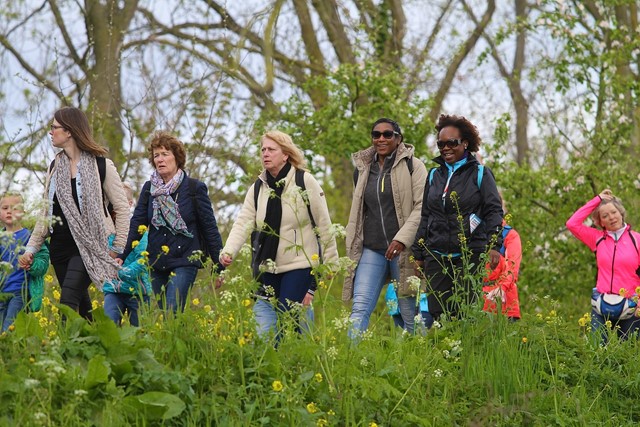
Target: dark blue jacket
column 181, row 247
column 440, row 225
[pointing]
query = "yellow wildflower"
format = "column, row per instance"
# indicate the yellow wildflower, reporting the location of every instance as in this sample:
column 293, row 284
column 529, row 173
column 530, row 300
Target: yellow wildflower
column 318, row 377
column 12, row 328
column 524, row 340
column 207, row 308
column 582, row 322
column 373, row 423
column 134, row 244
column 638, row 290
column 48, row 278
column 172, row 274
column 94, row 304
column 164, row 249
column 56, row 295
column 608, row 323
column 246, row 302
column 331, row 412
column 315, row 257
column 141, row 261
column 312, row 408
column 623, row 292
column 322, row 422
column 131, row 289
column 196, row 301
column 32, row 359
column 241, row 342
column 142, row 229
column 277, row 386
column 144, row 253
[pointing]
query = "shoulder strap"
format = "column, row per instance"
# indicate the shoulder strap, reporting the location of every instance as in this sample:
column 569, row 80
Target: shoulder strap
column 52, row 164
column 300, row 183
column 256, row 192
column 102, row 172
column 505, row 230
column 480, row 175
column 409, row 161
column 432, row 171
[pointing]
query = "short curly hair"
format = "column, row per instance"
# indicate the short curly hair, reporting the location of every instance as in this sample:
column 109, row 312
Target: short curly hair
column 162, row 139
column 468, row 131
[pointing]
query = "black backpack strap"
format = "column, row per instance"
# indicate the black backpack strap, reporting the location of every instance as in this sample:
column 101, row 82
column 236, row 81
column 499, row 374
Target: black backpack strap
column 409, row 161
column 102, row 171
column 256, row 192
column 300, row 183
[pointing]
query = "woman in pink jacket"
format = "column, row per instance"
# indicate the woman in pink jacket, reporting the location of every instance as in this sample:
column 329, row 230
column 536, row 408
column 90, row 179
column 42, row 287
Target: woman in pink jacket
column 617, row 259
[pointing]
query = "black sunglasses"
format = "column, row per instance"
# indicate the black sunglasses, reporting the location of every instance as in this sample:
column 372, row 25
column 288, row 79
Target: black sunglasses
column 388, row 134
column 451, row 143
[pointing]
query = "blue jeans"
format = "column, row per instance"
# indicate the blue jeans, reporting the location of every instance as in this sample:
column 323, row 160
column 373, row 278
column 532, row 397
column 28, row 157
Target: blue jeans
column 291, row 286
column 117, row 304
column 625, row 328
column 370, row 277
column 176, row 288
column 9, row 310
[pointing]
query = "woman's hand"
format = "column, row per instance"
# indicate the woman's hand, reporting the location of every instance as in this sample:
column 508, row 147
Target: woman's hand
column 25, row 261
column 226, row 260
column 307, row 300
column 494, row 258
column 394, row 250
column 606, row 194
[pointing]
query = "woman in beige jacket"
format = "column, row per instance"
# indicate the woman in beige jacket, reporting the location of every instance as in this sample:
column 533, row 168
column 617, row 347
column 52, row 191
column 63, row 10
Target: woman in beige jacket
column 384, row 218
column 285, row 245
column 79, row 186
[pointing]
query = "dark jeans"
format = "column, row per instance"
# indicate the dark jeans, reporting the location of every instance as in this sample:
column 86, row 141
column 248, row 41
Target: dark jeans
column 117, row 304
column 74, row 285
column 176, row 287
column 291, row 286
column 625, row 328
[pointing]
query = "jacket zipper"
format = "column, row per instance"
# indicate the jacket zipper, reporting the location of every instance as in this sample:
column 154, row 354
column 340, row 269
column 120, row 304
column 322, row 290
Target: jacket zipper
column 384, row 228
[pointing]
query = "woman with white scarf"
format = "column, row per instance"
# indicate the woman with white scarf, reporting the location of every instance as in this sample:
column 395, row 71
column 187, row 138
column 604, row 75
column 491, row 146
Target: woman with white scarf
column 76, row 215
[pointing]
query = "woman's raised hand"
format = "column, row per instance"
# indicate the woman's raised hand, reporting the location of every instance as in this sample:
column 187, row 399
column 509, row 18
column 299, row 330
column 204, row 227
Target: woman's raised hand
column 606, row 194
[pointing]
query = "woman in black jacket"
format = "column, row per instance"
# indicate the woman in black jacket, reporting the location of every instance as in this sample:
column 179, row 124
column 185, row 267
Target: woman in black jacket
column 178, row 213
column 461, row 218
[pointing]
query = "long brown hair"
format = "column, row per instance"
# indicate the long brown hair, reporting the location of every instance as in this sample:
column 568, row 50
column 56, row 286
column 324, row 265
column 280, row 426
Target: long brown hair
column 76, row 123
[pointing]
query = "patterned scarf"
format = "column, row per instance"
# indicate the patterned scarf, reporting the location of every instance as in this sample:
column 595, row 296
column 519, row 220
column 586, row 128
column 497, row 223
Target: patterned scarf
column 165, row 209
column 87, row 224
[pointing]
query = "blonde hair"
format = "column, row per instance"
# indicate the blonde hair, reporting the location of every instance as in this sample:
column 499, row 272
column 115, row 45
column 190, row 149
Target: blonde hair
column 296, row 158
column 595, row 215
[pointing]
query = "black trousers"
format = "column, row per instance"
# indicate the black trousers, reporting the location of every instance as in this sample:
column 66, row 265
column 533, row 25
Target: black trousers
column 74, row 283
column 448, row 290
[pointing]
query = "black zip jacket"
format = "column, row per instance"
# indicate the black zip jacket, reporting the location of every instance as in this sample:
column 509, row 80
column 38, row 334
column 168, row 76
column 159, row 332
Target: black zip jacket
column 440, row 226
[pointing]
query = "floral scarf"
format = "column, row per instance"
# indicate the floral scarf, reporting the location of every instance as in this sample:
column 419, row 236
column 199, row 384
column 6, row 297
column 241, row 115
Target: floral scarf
column 165, row 210
column 87, row 223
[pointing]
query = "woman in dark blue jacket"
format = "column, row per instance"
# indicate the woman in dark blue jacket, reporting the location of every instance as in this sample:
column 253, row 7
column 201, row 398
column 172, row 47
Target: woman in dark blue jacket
column 461, row 219
column 182, row 227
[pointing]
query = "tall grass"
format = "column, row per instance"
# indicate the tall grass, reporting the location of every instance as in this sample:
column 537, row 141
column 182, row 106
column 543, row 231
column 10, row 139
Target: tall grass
column 207, row 367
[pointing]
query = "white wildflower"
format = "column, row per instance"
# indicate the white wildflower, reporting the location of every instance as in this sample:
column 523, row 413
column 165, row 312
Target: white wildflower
column 437, row 373
column 414, row 283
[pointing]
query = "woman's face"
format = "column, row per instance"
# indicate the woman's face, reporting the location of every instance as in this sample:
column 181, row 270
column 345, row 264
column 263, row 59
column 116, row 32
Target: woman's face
column 610, row 217
column 60, row 137
column 450, row 144
column 273, row 158
column 384, row 139
column 165, row 163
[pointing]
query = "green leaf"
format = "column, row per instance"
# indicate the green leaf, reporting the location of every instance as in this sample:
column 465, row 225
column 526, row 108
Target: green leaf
column 97, row 372
column 156, row 405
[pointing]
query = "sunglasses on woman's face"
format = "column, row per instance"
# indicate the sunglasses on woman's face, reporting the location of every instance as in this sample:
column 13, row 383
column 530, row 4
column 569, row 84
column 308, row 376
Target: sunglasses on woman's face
column 451, row 143
column 388, row 134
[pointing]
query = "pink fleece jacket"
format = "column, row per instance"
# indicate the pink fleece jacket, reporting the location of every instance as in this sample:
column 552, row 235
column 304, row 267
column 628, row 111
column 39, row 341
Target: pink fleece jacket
column 617, row 261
